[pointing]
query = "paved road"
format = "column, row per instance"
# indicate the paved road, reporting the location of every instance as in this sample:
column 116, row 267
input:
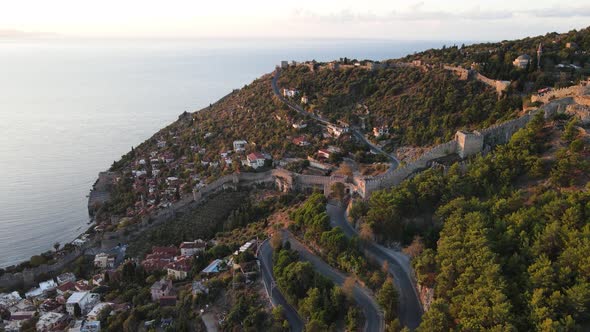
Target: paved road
column 277, row 298
column 371, row 310
column 410, row 312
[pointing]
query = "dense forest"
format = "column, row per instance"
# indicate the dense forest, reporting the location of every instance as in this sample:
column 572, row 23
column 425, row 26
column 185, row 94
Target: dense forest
column 319, row 302
column 505, row 234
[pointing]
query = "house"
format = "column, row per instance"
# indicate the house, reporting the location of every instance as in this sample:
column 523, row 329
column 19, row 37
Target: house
column 7, row 300
column 289, row 92
column 65, row 277
column 22, row 305
column 50, row 305
column 13, row 325
column 83, row 286
column 250, row 245
column 90, row 326
column 161, row 288
column 323, row 153
column 22, row 315
column 51, row 321
column 97, row 309
column 240, row 145
column 84, row 300
column 255, row 160
column 300, row 125
column 199, row 288
column 192, row 248
column 300, row 141
column 66, row 287
column 337, row 131
column 98, row 279
column 304, row 100
column 35, row 292
column 179, row 269
column 522, row 61
column 47, row 286
column 380, row 131
column 104, row 261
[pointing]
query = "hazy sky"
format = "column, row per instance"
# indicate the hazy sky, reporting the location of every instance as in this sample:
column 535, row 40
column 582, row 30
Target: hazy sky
column 391, row 19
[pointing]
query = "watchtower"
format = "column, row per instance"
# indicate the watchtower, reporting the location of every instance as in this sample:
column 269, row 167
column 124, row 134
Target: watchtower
column 468, row 143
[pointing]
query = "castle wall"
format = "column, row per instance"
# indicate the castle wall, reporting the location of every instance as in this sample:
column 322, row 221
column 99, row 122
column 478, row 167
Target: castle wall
column 575, row 90
column 501, row 133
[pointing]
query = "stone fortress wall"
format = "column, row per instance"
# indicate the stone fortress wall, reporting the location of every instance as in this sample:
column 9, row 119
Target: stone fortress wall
column 465, row 74
column 464, row 144
column 576, row 90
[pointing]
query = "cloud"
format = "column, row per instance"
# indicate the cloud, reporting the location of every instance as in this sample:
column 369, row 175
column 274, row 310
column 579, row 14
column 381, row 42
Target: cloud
column 559, row 12
column 417, row 12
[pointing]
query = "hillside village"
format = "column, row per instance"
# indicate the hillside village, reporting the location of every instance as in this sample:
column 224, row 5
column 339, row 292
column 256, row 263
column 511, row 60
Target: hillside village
column 71, row 303
column 366, row 132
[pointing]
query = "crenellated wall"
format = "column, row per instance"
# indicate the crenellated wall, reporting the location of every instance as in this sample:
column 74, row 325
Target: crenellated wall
column 464, row 144
column 576, row 90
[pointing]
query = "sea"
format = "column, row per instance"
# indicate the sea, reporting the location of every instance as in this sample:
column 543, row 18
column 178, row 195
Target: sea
column 70, row 107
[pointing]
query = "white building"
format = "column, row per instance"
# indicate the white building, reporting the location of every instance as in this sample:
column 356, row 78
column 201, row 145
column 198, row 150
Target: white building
column 96, row 310
column 255, row 160
column 48, row 286
column 104, row 261
column 240, row 145
column 192, row 248
column 7, row 300
column 49, row 321
column 85, row 300
column 289, row 92
column 336, row 131
column 65, row 277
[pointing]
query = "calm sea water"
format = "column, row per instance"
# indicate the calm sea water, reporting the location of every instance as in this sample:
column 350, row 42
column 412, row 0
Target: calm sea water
column 69, row 108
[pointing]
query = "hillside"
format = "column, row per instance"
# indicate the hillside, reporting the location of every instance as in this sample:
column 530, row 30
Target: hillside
column 500, row 238
column 403, row 107
column 419, row 107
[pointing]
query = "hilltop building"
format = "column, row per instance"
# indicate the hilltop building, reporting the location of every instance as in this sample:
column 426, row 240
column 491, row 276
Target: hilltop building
column 522, row 61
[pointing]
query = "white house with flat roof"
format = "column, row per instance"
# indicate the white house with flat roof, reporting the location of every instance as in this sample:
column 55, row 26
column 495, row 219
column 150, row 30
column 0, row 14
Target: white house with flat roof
column 85, row 300
column 240, row 145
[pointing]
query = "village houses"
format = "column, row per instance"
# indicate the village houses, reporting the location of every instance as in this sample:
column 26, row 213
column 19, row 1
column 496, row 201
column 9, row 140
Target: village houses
column 192, row 248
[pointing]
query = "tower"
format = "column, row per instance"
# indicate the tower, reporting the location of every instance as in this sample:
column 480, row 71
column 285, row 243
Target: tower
column 539, row 53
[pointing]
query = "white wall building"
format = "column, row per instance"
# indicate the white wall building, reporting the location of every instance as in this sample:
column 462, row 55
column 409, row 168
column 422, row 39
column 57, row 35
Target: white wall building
column 85, row 300
column 240, row 145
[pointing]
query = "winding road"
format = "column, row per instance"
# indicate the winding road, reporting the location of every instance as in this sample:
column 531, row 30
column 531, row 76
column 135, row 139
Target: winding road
column 373, row 315
column 276, row 297
column 410, row 311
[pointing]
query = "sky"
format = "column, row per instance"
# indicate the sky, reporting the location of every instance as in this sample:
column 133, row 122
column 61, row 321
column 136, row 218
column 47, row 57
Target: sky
column 379, row 19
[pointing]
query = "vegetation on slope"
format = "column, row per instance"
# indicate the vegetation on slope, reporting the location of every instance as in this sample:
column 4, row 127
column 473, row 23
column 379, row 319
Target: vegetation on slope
column 495, row 59
column 421, row 108
column 504, row 237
